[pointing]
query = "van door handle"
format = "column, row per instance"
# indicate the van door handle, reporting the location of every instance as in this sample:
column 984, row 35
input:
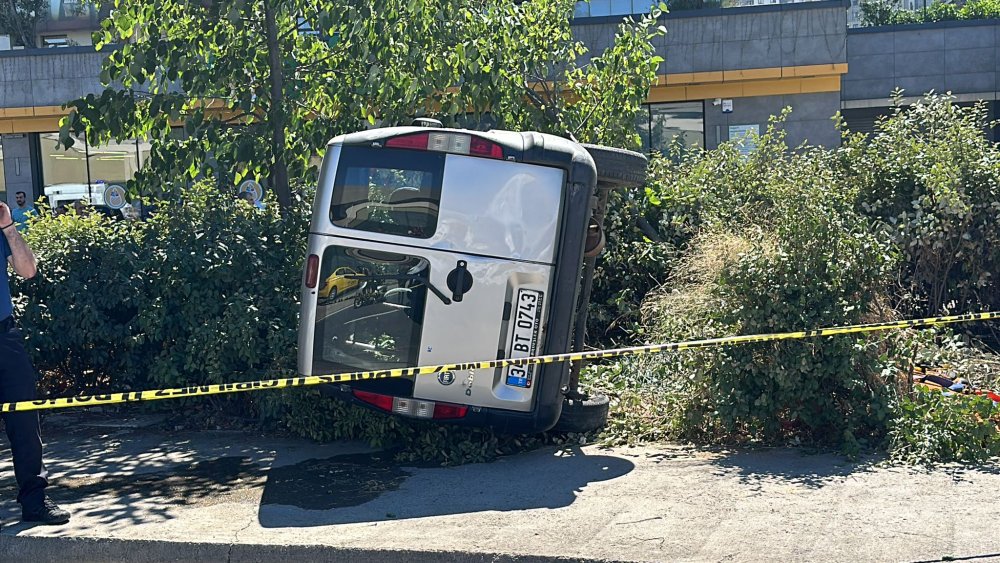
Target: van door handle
column 459, row 280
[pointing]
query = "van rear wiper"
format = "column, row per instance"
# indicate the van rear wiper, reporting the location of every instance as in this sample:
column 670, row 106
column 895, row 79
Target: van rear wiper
column 402, row 277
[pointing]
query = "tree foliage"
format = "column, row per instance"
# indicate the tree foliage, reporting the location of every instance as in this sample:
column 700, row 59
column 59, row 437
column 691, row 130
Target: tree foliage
column 889, row 12
column 259, row 87
column 20, row 19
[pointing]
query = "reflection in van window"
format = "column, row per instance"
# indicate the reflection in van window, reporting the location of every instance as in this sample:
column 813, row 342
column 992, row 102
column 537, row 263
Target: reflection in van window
column 369, row 311
column 388, row 191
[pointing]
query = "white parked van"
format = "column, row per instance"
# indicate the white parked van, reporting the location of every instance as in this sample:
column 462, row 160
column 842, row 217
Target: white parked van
column 437, row 246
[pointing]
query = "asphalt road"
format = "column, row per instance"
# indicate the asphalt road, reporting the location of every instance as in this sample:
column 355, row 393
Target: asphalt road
column 139, row 492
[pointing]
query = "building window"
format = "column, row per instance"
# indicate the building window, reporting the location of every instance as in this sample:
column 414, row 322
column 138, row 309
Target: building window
column 662, row 125
column 55, row 41
column 69, row 10
column 87, row 171
column 63, row 166
column 117, row 162
column 598, row 8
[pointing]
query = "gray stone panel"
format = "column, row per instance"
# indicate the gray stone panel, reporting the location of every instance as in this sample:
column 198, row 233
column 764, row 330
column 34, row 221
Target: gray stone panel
column 756, row 53
column 15, row 68
column 813, row 49
column 597, row 37
column 737, row 39
column 870, row 66
column 870, row 44
column 927, row 63
column 810, row 107
column 963, row 61
column 915, row 40
column 681, row 58
column 920, row 85
column 48, row 78
column 970, row 37
column 813, row 22
column 970, row 83
column 707, row 57
column 816, row 132
column 15, row 94
column 693, row 58
column 749, row 27
column 961, row 58
column 875, row 88
column 695, row 30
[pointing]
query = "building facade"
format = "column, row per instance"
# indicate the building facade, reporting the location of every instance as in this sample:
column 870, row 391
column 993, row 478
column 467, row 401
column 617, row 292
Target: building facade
column 726, row 72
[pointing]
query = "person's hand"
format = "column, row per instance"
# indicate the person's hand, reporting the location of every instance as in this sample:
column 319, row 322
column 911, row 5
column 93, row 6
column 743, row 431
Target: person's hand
column 5, row 218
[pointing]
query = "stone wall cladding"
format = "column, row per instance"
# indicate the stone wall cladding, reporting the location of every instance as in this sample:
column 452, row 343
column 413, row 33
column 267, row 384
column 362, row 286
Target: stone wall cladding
column 808, row 33
column 48, row 77
column 961, row 57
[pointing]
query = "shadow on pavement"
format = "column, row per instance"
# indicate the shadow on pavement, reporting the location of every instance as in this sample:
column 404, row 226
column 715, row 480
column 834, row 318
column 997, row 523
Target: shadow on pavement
column 789, row 465
column 341, row 490
column 117, row 474
column 119, row 471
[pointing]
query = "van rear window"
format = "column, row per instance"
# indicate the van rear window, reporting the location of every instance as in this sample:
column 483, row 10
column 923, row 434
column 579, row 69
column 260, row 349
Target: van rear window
column 388, row 191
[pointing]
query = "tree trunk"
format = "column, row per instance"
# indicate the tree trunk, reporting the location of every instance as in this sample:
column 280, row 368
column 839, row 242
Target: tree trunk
column 276, row 112
column 25, row 27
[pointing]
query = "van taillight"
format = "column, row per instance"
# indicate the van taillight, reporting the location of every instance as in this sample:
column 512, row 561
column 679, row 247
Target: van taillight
column 449, row 411
column 383, row 402
column 312, row 271
column 455, row 143
column 418, row 141
column 482, row 147
column 417, row 408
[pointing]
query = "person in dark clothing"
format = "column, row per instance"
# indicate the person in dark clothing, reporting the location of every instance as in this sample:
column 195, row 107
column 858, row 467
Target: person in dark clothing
column 17, row 383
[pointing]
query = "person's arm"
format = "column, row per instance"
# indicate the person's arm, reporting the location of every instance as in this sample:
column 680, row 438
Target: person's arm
column 21, row 257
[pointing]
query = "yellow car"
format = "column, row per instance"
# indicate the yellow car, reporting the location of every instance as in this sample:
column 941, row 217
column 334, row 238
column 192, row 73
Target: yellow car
column 338, row 283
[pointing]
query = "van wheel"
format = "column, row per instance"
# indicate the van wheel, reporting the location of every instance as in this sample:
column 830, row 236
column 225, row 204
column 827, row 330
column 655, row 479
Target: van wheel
column 620, row 167
column 583, row 415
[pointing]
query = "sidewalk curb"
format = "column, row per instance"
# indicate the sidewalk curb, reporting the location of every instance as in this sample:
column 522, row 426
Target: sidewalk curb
column 61, row 549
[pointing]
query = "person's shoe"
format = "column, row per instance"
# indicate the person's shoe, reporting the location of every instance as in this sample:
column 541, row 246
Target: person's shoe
column 49, row 513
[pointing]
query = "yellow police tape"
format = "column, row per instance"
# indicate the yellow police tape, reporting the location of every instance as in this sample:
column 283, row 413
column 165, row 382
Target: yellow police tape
column 303, row 381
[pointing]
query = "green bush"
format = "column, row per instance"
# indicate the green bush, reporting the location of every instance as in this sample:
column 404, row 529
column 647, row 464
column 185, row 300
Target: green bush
column 80, row 309
column 887, row 12
column 222, row 285
column 930, row 428
column 769, row 241
column 203, row 292
column 932, row 179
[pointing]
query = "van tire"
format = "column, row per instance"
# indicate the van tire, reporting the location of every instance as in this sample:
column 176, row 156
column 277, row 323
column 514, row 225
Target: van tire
column 587, row 415
column 620, row 167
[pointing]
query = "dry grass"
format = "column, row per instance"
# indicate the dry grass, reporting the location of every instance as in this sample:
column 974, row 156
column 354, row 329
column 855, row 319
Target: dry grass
column 680, row 308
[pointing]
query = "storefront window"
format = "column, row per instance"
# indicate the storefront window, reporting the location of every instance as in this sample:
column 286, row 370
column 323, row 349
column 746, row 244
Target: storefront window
column 682, row 123
column 62, row 166
column 117, row 163
column 83, row 171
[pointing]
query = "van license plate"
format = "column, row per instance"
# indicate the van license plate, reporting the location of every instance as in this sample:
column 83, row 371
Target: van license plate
column 526, row 317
